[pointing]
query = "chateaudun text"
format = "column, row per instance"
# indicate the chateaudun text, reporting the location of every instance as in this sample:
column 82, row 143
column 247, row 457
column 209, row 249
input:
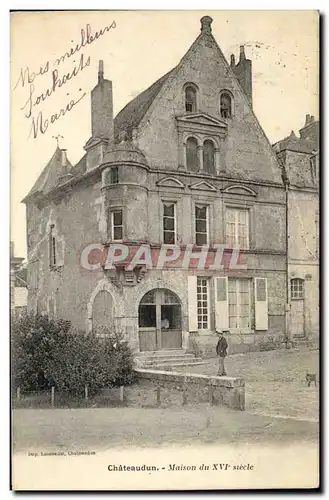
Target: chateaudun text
column 181, row 467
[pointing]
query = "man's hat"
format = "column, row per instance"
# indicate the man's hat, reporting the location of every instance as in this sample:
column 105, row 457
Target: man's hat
column 218, row 331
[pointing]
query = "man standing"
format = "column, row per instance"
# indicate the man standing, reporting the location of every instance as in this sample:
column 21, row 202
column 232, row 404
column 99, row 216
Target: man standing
column 221, row 350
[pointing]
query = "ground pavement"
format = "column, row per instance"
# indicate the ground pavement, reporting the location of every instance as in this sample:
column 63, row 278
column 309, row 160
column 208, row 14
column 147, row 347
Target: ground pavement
column 279, row 407
column 275, row 381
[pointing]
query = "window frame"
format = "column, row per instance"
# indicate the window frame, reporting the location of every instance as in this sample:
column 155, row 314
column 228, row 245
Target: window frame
column 206, row 206
column 230, row 95
column 195, row 89
column 198, row 163
column 52, row 246
column 237, row 282
column 297, row 293
column 174, row 203
column 114, row 175
column 213, row 167
column 200, row 300
column 236, row 210
column 113, row 226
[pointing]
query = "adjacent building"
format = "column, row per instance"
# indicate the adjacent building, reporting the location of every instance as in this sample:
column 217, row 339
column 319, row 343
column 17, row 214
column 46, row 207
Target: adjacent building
column 299, row 157
column 18, row 283
column 185, row 164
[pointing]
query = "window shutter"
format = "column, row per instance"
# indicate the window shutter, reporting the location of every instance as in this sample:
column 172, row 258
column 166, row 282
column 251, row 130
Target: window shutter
column 221, row 302
column 192, row 303
column 261, row 304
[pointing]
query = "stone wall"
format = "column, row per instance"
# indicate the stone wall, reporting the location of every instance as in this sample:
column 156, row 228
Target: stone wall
column 228, row 391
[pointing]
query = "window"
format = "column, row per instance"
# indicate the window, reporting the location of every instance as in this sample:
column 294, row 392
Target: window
column 225, row 105
column 209, row 157
column 114, row 175
column 117, row 225
column 297, row 288
column 169, row 223
column 190, row 99
column 201, row 225
column 239, row 303
column 203, row 303
column 52, row 246
column 147, row 311
column 237, row 227
column 160, row 305
column 192, row 160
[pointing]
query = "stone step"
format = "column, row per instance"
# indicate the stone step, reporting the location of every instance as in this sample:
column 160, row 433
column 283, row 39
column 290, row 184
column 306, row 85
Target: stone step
column 164, row 353
column 196, row 361
column 169, row 362
column 166, row 358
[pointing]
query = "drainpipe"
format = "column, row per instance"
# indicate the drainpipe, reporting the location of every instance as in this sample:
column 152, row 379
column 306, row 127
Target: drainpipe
column 287, row 306
column 286, row 183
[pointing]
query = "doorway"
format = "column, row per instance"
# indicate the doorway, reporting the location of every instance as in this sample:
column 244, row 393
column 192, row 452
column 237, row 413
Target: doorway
column 297, row 293
column 160, row 321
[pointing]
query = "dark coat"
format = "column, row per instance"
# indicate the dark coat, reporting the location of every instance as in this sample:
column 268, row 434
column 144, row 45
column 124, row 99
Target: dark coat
column 221, row 347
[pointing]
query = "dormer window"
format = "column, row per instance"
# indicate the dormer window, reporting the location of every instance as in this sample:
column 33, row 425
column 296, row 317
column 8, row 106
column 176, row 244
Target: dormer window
column 190, row 99
column 225, row 105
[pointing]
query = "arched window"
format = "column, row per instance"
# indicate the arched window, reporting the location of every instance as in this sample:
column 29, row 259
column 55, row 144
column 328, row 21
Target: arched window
column 209, row 157
column 225, row 105
column 192, row 160
column 190, row 99
column 103, row 312
column 297, row 288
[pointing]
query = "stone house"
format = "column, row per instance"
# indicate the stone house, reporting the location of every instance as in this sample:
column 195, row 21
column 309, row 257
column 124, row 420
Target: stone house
column 299, row 156
column 184, row 164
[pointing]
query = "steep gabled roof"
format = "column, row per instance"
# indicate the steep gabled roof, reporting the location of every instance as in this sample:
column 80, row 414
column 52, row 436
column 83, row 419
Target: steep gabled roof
column 131, row 115
column 50, row 175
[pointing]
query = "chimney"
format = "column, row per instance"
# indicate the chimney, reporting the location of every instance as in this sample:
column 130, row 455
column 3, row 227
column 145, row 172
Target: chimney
column 232, row 60
column 64, row 160
column 242, row 53
column 100, row 71
column 102, row 107
column 311, row 131
column 243, row 73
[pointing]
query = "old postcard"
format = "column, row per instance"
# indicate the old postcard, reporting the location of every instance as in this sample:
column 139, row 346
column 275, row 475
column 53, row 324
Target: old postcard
column 165, row 250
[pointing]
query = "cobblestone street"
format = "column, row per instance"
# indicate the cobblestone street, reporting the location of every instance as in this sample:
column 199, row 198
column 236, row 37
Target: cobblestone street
column 275, row 381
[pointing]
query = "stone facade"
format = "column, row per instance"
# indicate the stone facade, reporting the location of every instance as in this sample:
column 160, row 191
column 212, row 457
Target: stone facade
column 299, row 157
column 135, row 168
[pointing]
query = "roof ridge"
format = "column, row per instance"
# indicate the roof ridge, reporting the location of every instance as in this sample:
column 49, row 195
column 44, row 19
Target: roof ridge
column 132, row 113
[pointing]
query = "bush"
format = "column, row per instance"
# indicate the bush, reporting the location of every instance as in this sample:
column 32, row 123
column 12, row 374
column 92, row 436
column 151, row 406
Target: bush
column 49, row 353
column 33, row 339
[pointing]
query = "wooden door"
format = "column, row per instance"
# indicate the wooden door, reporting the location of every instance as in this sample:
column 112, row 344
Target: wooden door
column 297, row 318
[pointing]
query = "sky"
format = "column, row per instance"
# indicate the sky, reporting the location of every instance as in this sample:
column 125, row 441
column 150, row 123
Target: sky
column 140, row 47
